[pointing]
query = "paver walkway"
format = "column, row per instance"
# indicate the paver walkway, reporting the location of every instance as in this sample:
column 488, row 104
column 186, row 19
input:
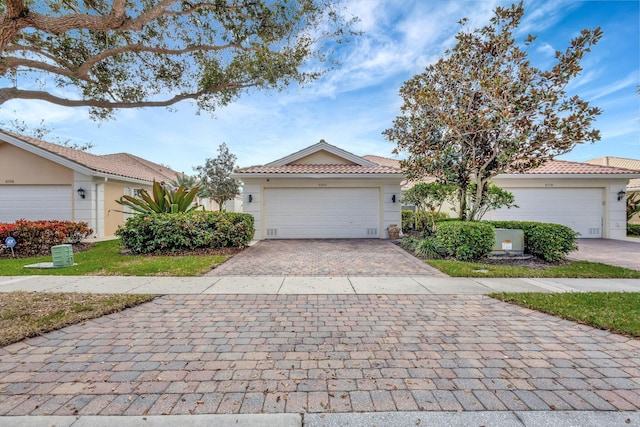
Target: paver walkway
column 185, row 354
column 333, row 257
column 621, row 253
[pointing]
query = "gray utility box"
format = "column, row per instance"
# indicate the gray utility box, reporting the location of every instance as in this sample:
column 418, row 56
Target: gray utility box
column 508, row 242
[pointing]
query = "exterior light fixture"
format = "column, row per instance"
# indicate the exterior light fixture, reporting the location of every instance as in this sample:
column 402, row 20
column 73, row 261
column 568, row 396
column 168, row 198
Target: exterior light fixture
column 621, row 194
column 81, row 192
column 393, row 198
column 250, row 198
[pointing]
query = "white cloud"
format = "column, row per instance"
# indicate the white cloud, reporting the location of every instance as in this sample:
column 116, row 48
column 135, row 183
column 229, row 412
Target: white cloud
column 600, row 92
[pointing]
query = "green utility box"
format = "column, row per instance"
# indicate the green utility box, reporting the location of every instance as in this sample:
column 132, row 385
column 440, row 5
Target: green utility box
column 62, row 255
column 508, row 242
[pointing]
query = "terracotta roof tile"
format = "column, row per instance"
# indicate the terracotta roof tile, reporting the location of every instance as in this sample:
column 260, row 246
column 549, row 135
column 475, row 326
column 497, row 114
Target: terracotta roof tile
column 561, row 167
column 554, row 167
column 122, row 164
column 617, row 162
column 319, row 169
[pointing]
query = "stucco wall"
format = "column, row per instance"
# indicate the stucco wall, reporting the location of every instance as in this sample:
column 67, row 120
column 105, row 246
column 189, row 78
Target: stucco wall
column 20, row 167
column 113, row 218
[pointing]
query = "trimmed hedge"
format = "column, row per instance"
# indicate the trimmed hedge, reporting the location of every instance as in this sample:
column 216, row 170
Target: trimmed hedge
column 174, row 232
column 633, row 229
column 551, row 242
column 424, row 219
column 465, row 240
column 35, row 238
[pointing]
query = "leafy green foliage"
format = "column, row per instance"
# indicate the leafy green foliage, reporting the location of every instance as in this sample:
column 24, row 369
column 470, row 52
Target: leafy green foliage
column 215, row 177
column 494, row 198
column 484, row 109
column 159, row 233
column 465, row 240
column 550, row 242
column 409, row 243
column 164, row 200
column 614, row 311
column 633, row 229
column 420, row 221
column 431, row 248
column 428, row 199
column 127, row 54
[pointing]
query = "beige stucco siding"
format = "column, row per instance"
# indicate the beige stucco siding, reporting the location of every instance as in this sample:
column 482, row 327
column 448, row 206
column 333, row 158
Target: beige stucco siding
column 322, row 158
column 113, row 218
column 20, row 167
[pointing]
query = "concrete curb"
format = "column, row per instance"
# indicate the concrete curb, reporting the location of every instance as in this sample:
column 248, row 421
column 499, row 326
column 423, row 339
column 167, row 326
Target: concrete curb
column 387, row 419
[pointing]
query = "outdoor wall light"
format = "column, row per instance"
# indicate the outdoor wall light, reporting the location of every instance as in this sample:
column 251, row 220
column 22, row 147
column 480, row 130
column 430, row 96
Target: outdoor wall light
column 81, row 192
column 393, row 198
column 250, row 198
column 621, row 194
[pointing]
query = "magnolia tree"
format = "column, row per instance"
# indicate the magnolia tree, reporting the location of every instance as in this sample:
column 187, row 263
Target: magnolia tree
column 483, row 109
column 108, row 54
column 215, row 177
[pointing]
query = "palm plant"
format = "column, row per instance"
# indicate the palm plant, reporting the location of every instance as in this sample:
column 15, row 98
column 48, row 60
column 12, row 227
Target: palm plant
column 164, row 200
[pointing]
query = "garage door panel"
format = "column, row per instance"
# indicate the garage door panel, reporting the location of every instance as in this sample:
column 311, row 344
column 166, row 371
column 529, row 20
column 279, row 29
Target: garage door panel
column 35, row 202
column 578, row 208
column 321, row 212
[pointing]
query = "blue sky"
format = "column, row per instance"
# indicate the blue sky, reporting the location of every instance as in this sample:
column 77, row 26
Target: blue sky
column 350, row 106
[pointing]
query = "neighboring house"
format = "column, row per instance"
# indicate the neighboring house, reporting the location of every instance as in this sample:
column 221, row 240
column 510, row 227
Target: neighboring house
column 588, row 198
column 321, row 191
column 41, row 180
column 619, row 162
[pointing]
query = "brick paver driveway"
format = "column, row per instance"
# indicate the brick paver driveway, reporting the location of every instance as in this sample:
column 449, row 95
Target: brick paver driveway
column 334, row 257
column 613, row 252
column 324, row 353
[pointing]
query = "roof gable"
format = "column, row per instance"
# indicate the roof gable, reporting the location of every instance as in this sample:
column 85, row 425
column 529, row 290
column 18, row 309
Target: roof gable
column 123, row 166
column 347, row 157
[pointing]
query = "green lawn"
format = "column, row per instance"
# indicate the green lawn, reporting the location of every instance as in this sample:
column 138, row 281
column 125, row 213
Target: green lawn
column 578, row 269
column 104, row 258
column 613, row 311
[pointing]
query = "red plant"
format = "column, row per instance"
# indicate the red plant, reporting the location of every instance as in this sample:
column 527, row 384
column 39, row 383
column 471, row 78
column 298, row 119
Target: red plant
column 35, row 238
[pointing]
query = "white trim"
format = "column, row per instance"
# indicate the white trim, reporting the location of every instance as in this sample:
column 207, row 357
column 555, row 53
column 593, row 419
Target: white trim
column 322, row 145
column 567, row 175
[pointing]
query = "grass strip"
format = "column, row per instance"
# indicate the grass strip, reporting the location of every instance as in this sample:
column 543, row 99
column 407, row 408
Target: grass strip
column 618, row 312
column 574, row 269
column 106, row 259
column 29, row 314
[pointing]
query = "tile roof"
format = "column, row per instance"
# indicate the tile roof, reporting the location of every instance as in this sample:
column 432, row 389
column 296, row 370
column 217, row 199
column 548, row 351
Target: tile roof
column 121, row 164
column 618, row 162
column 319, row 169
column 551, row 167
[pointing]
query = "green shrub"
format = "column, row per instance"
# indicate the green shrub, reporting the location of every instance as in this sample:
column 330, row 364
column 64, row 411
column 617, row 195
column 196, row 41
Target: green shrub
column 633, row 229
column 409, row 243
column 174, row 232
column 550, row 242
column 429, row 247
column 419, row 221
column 465, row 240
column 34, row 238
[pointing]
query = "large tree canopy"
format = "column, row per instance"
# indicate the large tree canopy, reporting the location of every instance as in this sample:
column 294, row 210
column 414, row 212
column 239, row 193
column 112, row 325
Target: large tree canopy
column 108, row 54
column 484, row 109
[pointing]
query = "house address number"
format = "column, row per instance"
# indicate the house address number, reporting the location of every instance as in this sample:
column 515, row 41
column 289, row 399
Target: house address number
column 9, row 181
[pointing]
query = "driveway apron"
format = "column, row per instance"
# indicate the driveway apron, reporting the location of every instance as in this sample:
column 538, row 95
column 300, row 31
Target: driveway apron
column 332, row 257
column 183, row 354
column 621, row 253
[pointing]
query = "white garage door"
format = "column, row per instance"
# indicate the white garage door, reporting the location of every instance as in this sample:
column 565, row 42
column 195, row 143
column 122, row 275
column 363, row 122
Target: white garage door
column 34, row 202
column 317, row 213
column 578, row 208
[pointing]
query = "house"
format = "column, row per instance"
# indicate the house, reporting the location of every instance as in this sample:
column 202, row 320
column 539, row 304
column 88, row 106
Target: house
column 586, row 197
column 41, row 180
column 619, row 162
column 321, row 191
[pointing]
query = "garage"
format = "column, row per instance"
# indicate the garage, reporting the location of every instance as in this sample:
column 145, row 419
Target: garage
column 581, row 209
column 321, row 213
column 35, row 202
